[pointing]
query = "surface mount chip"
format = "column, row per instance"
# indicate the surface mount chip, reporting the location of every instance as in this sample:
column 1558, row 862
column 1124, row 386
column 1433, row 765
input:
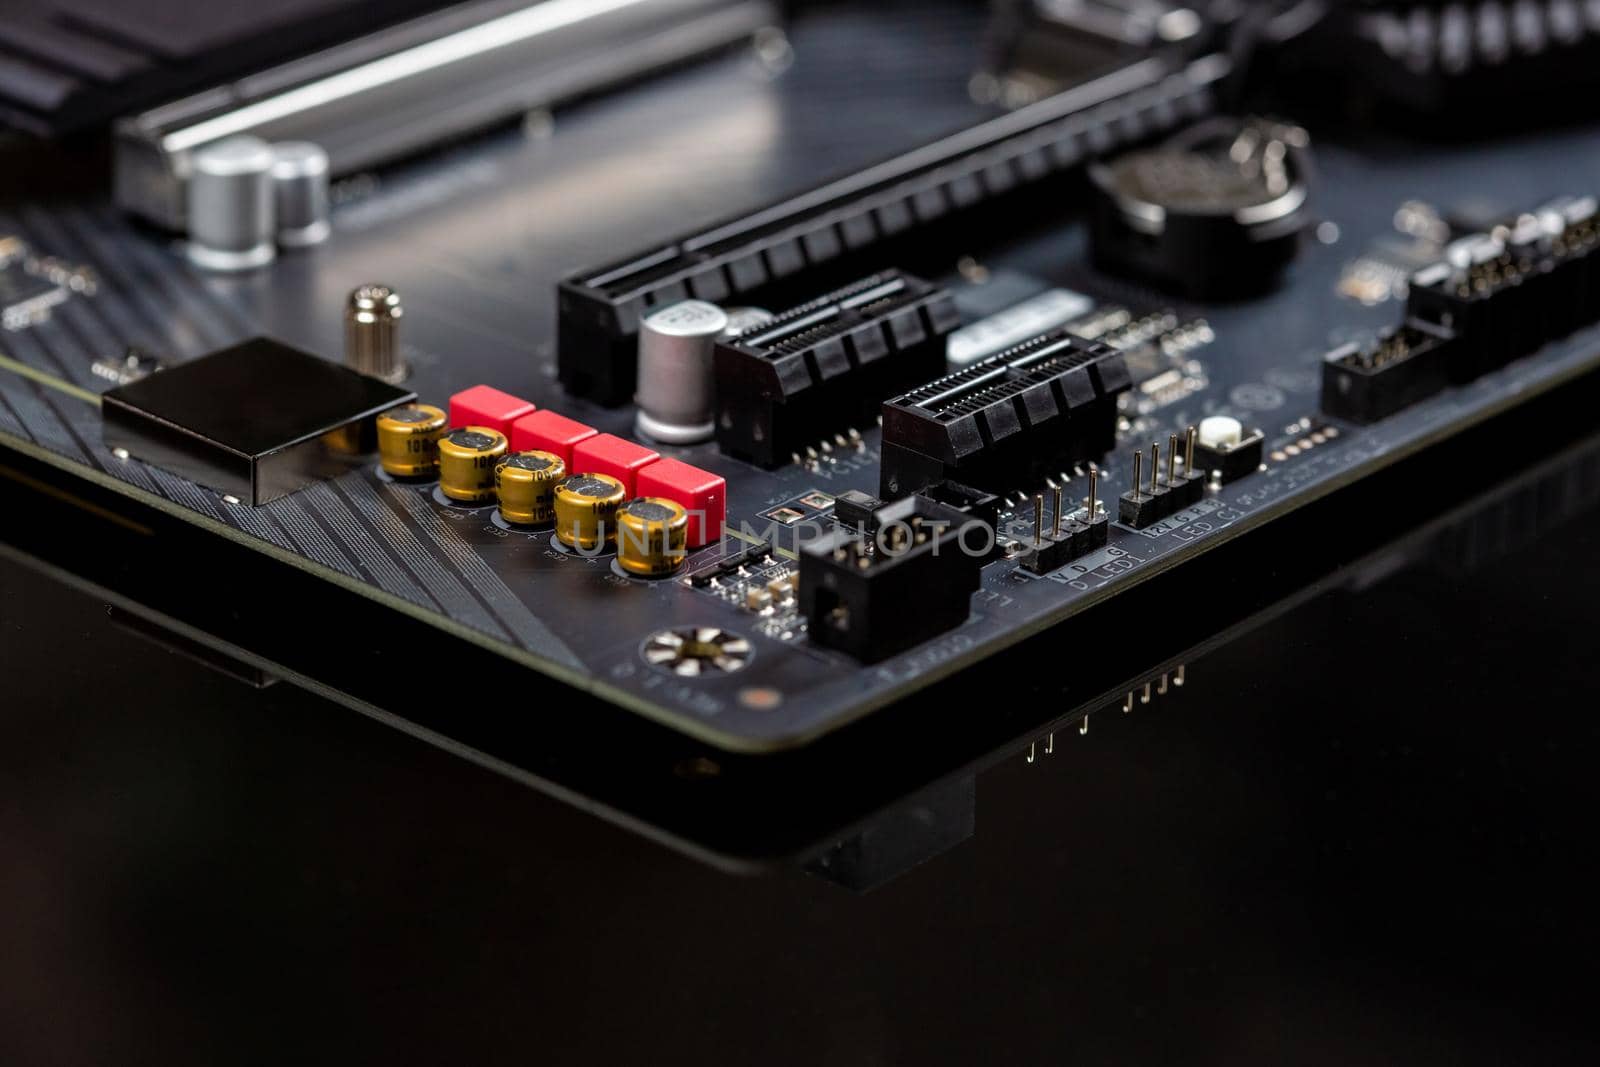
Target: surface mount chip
column 256, row 421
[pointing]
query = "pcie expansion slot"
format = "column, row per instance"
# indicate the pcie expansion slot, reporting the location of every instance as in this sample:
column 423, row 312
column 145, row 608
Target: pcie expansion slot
column 785, row 249
column 1011, row 420
column 825, row 366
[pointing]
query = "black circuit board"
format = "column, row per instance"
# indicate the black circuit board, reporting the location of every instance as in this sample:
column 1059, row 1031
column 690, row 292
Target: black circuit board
column 477, row 236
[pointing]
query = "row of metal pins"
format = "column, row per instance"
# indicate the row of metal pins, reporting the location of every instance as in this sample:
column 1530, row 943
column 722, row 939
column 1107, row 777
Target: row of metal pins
column 1142, row 695
column 1155, row 461
column 1090, row 506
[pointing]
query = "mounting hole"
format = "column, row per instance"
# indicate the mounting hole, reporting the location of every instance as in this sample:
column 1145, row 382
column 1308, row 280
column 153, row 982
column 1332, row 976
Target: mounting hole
column 697, row 651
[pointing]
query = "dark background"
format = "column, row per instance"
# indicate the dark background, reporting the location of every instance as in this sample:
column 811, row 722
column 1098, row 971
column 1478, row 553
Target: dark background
column 1360, row 833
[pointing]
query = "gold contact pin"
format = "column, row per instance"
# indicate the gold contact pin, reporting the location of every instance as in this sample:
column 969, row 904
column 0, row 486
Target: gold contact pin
column 1172, row 459
column 1090, row 505
column 1138, row 459
column 1038, row 517
column 1055, row 529
column 1155, row 464
column 1188, row 450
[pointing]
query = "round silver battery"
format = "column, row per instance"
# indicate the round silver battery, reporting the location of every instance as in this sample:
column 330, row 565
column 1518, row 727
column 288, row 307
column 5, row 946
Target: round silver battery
column 230, row 205
column 300, row 189
column 675, row 379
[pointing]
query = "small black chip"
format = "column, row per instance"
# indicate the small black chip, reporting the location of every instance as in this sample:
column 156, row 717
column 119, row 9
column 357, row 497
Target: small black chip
column 256, row 421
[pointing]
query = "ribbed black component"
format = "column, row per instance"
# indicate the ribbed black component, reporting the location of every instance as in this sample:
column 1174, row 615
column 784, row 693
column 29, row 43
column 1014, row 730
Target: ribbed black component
column 824, row 367
column 1033, row 410
column 787, row 247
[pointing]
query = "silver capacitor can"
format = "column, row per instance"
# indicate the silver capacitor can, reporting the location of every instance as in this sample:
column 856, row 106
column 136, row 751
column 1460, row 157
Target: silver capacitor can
column 372, row 317
column 300, row 192
column 674, row 394
column 232, row 214
column 742, row 319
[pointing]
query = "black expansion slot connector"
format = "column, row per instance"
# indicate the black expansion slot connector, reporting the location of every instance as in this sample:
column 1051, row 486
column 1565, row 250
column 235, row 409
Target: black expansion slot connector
column 826, row 366
column 1030, row 412
column 807, row 243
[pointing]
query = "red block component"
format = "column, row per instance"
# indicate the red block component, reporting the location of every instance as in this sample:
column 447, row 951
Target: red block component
column 608, row 454
column 484, row 405
column 548, row 432
column 702, row 494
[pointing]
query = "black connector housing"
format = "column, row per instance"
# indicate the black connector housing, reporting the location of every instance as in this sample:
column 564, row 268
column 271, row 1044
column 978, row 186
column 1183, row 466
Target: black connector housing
column 826, row 366
column 975, row 502
column 1367, row 382
column 1472, row 297
column 1506, row 294
column 1010, row 420
column 908, row 582
column 800, row 244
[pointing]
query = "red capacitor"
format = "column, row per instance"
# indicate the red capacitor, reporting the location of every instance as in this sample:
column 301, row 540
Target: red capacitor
column 702, row 494
column 608, row 454
column 484, row 405
column 548, row 432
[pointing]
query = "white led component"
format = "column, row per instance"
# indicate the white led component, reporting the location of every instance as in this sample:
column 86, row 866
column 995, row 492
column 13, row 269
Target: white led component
column 1221, row 432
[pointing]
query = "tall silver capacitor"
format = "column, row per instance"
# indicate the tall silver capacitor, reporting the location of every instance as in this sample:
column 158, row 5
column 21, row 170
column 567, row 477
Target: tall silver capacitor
column 300, row 189
column 231, row 211
column 372, row 317
column 675, row 380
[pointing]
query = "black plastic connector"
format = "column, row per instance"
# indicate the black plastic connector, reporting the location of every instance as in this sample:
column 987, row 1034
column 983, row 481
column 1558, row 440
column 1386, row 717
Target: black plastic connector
column 1471, row 296
column 778, row 253
column 910, row 581
column 1505, row 295
column 826, row 366
column 1010, row 420
column 975, row 502
column 1368, row 382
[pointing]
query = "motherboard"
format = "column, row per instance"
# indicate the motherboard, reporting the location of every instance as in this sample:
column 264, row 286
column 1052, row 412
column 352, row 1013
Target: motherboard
column 770, row 387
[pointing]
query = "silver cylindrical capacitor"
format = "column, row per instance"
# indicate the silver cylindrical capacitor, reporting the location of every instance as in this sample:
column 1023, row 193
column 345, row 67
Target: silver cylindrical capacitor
column 372, row 332
column 742, row 319
column 300, row 188
column 674, row 391
column 231, row 208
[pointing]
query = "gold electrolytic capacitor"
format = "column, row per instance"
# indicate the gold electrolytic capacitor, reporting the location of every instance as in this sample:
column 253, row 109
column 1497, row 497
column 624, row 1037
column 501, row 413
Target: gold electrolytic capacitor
column 467, row 458
column 408, row 440
column 526, row 484
column 652, row 533
column 586, row 510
